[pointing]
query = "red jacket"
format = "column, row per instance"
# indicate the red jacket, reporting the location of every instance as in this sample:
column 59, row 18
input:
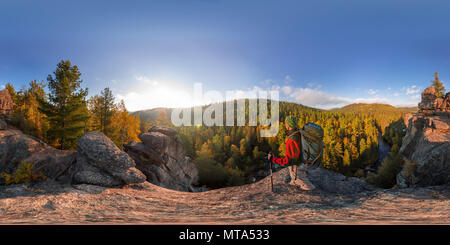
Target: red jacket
column 292, row 151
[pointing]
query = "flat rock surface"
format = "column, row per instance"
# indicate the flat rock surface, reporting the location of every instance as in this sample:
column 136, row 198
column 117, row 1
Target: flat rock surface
column 145, row 203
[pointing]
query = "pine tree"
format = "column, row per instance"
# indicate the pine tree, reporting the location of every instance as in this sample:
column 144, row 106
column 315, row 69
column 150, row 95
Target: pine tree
column 440, row 89
column 95, row 110
column 66, row 106
column 101, row 108
column 107, row 109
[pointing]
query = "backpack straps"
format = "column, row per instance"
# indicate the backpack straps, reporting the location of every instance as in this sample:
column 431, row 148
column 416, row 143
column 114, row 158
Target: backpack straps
column 309, row 154
column 294, row 133
column 305, row 134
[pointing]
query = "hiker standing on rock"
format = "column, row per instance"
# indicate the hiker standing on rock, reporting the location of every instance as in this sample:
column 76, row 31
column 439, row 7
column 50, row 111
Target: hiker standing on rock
column 293, row 155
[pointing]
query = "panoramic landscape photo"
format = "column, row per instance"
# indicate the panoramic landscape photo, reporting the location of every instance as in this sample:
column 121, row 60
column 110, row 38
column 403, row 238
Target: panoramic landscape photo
column 224, row 112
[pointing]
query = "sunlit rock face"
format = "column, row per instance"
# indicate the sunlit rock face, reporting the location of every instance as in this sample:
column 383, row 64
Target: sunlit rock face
column 426, row 145
column 6, row 102
column 431, row 103
column 162, row 158
column 17, row 147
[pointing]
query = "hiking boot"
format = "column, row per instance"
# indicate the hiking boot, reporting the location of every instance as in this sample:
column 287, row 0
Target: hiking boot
column 303, row 182
column 305, row 185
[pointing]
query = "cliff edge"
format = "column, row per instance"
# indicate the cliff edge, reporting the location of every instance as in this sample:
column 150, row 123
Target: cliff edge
column 426, row 145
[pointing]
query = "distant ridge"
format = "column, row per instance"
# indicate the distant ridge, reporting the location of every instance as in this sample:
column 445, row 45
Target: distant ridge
column 163, row 113
column 372, row 108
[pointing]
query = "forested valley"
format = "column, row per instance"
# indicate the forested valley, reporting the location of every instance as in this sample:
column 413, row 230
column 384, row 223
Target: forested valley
column 224, row 155
column 234, row 155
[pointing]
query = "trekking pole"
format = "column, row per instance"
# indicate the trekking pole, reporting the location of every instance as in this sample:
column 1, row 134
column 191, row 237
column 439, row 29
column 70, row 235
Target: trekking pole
column 271, row 177
column 296, row 169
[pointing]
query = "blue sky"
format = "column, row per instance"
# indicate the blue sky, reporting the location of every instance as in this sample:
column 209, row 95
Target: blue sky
column 319, row 53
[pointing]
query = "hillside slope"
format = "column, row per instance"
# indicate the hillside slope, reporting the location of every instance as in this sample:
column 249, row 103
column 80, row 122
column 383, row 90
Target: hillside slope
column 374, row 108
column 49, row 203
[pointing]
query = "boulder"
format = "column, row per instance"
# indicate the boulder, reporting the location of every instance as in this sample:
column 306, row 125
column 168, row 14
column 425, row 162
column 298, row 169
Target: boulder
column 164, row 130
column 6, row 102
column 51, row 162
column 332, row 182
column 100, row 162
column 162, row 158
column 16, row 147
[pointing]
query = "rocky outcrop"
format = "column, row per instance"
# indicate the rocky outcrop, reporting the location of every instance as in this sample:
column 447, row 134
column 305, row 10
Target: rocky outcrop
column 431, row 103
column 332, row 182
column 6, row 102
column 16, row 147
column 100, row 162
column 426, row 145
column 162, row 158
column 3, row 124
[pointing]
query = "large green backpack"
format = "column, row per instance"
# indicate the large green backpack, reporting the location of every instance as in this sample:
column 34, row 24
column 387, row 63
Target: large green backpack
column 312, row 145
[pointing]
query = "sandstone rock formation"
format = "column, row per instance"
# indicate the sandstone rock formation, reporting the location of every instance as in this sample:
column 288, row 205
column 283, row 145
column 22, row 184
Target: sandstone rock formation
column 162, row 158
column 426, row 145
column 6, row 102
column 100, row 162
column 16, row 147
column 431, row 103
column 426, row 148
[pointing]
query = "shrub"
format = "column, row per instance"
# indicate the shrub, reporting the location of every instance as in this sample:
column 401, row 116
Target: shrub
column 22, row 175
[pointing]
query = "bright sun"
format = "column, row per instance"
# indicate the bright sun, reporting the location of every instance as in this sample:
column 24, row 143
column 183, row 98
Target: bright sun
column 147, row 96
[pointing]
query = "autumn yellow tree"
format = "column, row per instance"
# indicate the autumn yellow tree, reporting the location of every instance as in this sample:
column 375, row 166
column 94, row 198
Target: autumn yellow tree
column 124, row 126
column 26, row 113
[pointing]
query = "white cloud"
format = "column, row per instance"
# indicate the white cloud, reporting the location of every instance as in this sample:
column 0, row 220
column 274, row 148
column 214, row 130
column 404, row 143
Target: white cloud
column 314, row 85
column 2, row 86
column 415, row 97
column 146, row 80
column 149, row 93
column 286, row 90
column 317, row 98
column 371, row 100
column 412, row 90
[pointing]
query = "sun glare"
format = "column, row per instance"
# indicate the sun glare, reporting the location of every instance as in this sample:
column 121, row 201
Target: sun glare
column 156, row 94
